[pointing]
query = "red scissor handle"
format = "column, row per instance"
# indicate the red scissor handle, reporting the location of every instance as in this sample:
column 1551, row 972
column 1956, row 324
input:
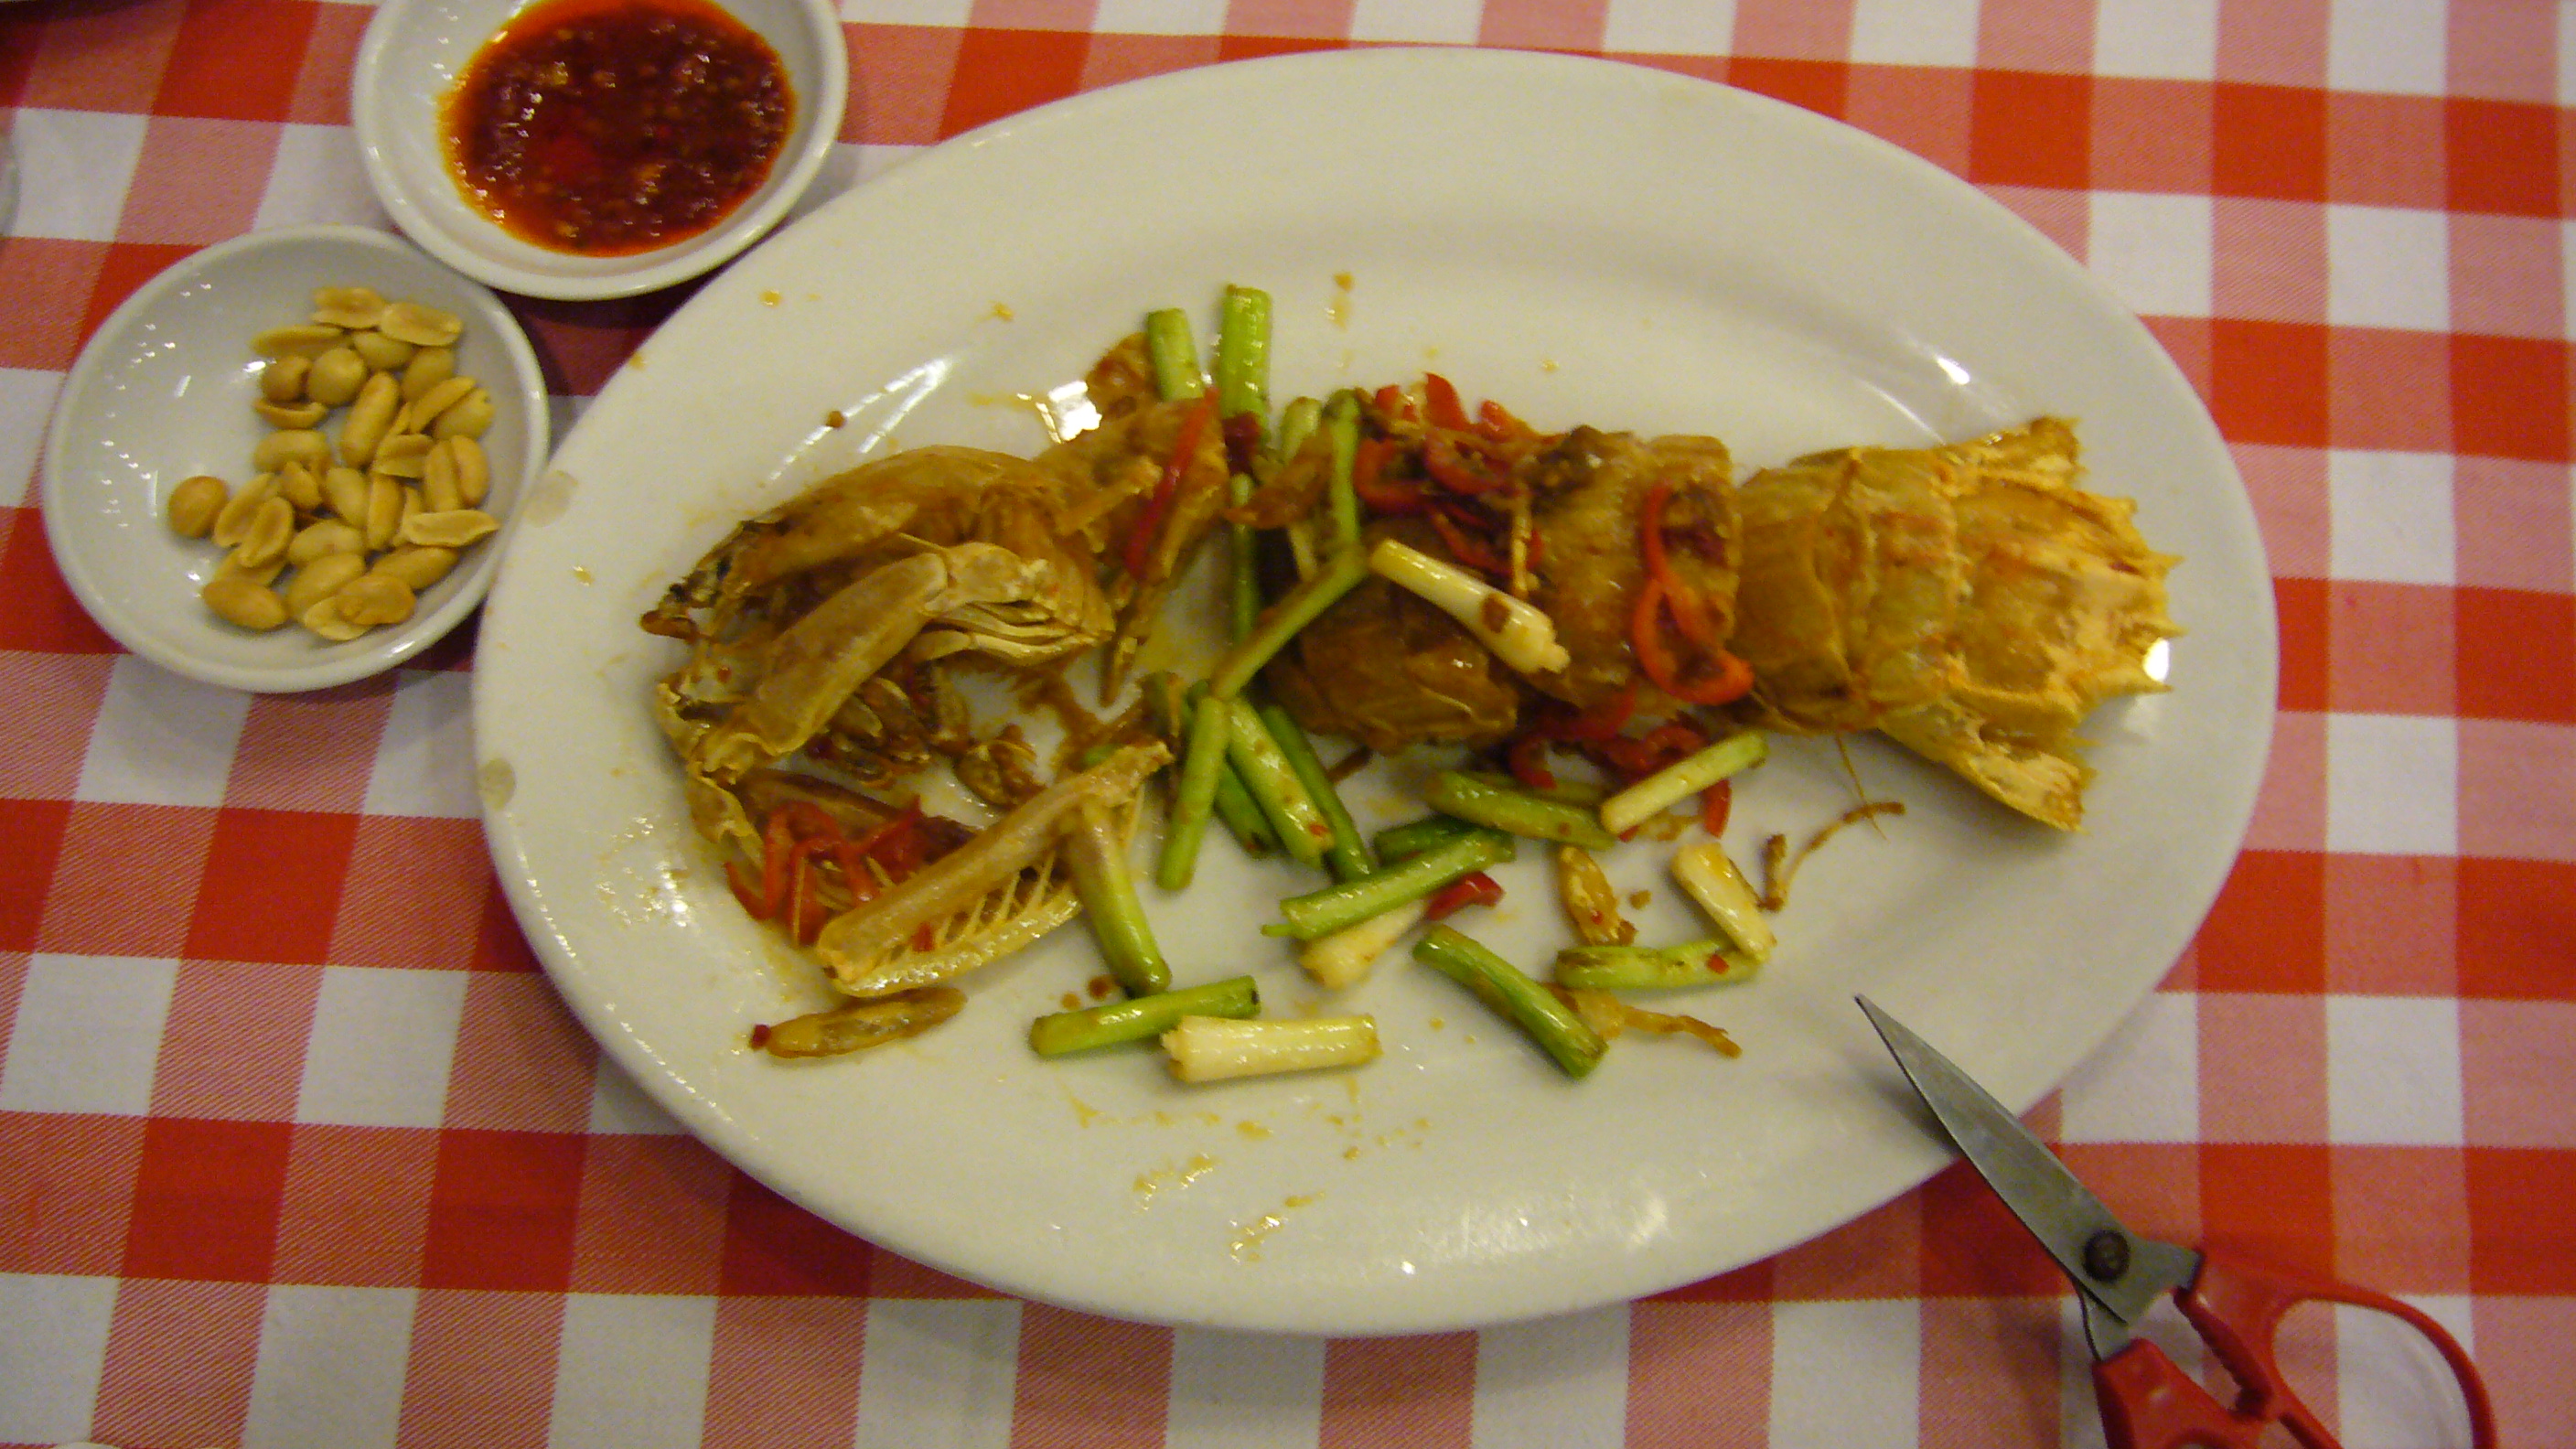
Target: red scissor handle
column 2149, row 1403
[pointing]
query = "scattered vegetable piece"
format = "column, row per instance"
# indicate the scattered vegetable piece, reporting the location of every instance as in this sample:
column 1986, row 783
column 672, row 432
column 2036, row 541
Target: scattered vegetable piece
column 1115, row 1022
column 1516, row 630
column 1707, row 962
column 1274, row 784
column 1346, row 852
column 1338, row 907
column 1683, row 778
column 1501, row 807
column 1558, row 1031
column 1202, row 761
column 1214, row 1048
column 1346, row 956
column 1337, row 574
column 1712, row 880
column 1097, row 853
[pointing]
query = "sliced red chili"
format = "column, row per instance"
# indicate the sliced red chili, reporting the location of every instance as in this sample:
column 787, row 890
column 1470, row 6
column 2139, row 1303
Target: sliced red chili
column 1732, row 677
column 746, row 889
column 1714, row 804
column 1440, row 405
column 897, row 844
column 1479, row 889
column 1689, row 613
column 1494, row 421
column 1185, row 449
column 1441, row 459
column 1381, row 493
column 1528, row 760
column 1465, row 547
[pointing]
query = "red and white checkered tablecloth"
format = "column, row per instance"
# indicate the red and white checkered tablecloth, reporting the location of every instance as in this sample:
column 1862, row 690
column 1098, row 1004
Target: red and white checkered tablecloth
column 297, row 1147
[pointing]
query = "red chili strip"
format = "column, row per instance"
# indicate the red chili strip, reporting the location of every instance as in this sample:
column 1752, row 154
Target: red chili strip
column 1732, row 678
column 1714, row 804
column 1479, row 889
column 1465, row 547
column 1185, row 449
column 1528, row 759
column 1440, row 405
column 1380, row 493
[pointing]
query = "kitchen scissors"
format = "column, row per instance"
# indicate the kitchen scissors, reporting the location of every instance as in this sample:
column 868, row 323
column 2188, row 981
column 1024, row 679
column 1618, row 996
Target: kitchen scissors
column 2235, row 1305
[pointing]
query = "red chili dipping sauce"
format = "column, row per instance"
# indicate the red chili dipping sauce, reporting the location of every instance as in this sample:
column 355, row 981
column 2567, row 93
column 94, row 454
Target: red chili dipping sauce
column 607, row 127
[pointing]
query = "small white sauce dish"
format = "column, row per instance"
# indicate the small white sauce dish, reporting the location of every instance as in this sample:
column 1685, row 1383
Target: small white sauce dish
column 409, row 61
column 164, row 391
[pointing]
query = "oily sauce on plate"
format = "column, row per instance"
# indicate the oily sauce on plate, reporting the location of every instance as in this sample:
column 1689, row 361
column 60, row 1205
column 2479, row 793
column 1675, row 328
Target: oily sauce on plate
column 608, row 127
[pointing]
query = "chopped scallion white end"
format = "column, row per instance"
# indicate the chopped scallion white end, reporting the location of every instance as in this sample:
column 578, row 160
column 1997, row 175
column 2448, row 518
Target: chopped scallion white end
column 1344, row 957
column 1720, row 889
column 1685, row 777
column 1520, row 634
column 1214, row 1048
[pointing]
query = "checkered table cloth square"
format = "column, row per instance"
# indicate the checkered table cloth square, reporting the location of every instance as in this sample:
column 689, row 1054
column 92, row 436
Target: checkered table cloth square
column 297, row 1147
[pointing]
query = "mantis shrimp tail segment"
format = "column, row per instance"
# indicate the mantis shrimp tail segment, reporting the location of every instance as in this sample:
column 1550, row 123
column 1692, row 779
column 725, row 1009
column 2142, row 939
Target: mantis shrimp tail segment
column 1008, row 886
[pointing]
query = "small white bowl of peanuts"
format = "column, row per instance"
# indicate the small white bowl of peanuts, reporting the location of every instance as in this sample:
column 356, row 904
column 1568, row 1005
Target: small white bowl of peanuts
column 289, row 461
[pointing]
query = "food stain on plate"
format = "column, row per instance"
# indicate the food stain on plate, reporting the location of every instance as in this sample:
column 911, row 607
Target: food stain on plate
column 1171, row 1177
column 1249, row 1236
column 496, row 782
column 550, row 499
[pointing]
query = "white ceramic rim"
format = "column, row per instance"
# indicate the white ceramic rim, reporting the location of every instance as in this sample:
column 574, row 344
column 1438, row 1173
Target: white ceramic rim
column 876, row 1147
column 374, row 101
column 330, row 665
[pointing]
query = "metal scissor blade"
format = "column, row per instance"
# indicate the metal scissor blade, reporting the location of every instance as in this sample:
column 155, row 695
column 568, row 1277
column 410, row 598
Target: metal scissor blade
column 2122, row 1272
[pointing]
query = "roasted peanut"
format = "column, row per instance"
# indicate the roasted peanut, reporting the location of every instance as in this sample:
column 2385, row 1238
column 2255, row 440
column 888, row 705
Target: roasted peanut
column 405, row 455
column 427, row 369
column 324, row 619
column 417, row 565
column 320, row 579
column 382, row 353
column 304, row 444
column 290, row 415
column 425, row 326
column 368, row 418
column 237, row 600
column 271, row 529
column 447, row 394
column 384, row 511
column 345, row 489
column 301, row 486
column 468, row 418
column 375, row 598
column 337, row 509
column 320, row 540
column 308, row 338
column 350, row 307
column 233, row 519
column 336, row 377
column 453, row 528
column 230, row 566
column 473, row 469
column 438, row 487
column 282, row 381
column 194, row 504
